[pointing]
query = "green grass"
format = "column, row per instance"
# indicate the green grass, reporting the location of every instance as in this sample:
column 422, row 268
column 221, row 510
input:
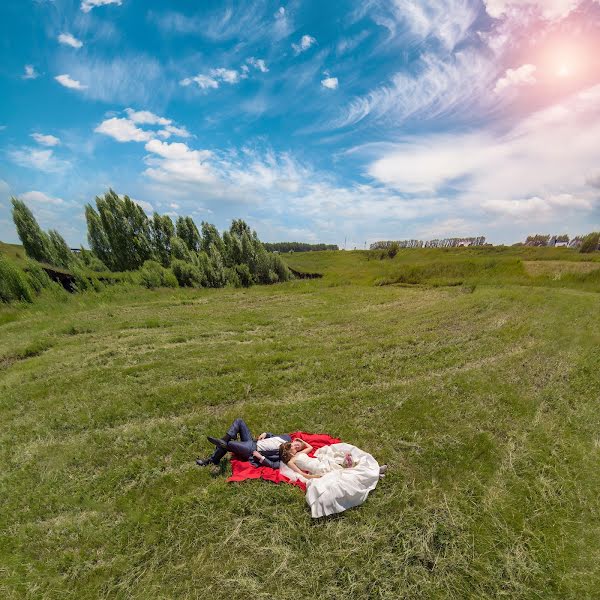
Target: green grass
column 106, row 399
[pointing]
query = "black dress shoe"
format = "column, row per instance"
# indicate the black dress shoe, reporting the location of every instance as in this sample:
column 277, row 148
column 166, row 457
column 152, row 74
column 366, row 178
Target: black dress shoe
column 218, row 442
column 204, row 462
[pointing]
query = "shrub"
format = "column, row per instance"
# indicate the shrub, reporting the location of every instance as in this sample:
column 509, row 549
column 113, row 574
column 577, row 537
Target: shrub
column 277, row 264
column 154, row 275
column 187, row 274
column 37, row 277
column 13, row 283
column 233, row 279
column 591, row 242
column 393, row 249
column 243, row 274
column 86, row 280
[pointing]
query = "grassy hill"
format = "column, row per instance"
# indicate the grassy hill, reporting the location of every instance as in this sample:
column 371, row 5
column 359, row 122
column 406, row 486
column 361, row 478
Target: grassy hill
column 13, row 251
column 106, row 399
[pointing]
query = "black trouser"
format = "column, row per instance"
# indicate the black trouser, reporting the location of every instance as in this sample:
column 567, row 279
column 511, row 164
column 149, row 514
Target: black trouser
column 243, row 448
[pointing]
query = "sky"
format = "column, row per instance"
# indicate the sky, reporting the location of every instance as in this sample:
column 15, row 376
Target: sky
column 340, row 122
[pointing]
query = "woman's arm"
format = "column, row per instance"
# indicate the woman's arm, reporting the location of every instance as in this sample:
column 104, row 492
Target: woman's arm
column 293, row 467
column 307, row 448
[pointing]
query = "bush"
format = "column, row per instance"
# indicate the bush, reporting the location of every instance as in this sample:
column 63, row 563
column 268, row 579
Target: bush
column 187, row 274
column 154, row 275
column 37, row 277
column 86, row 280
column 244, row 276
column 13, row 283
column 393, row 249
column 590, row 243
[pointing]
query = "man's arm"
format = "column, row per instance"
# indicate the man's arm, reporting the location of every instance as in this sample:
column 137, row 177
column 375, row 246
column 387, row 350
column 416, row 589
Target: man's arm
column 264, row 461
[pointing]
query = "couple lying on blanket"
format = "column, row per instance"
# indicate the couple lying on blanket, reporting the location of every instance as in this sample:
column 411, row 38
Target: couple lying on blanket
column 336, row 476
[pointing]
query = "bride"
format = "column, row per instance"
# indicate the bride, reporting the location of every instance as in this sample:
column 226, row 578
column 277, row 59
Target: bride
column 338, row 477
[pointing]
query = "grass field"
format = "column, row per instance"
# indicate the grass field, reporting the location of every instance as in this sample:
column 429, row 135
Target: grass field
column 106, row 399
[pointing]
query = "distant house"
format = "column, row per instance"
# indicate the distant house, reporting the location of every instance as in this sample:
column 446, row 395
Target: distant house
column 576, row 242
column 76, row 250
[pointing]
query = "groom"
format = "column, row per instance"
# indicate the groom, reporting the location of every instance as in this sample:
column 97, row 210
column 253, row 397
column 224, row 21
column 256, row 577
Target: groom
column 262, row 452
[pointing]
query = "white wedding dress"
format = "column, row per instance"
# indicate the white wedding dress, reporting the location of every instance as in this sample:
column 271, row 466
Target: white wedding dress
column 338, row 488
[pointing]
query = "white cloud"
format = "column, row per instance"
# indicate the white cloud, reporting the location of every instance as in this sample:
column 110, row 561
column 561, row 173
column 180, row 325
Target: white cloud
column 127, row 130
column 226, row 75
column 35, row 196
column 45, row 140
column 211, row 81
column 69, row 40
column 204, row 82
column 87, row 5
column 145, row 117
column 258, row 63
column 42, row 160
column 330, row 83
column 170, row 130
column 123, row 130
column 30, row 72
column 524, row 75
column 522, row 172
column 70, row 83
column 549, row 9
column 305, row 42
column 177, row 163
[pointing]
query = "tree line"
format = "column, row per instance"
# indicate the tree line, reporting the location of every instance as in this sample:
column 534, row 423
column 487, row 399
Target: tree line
column 298, row 247
column 442, row 243
column 123, row 238
column 584, row 243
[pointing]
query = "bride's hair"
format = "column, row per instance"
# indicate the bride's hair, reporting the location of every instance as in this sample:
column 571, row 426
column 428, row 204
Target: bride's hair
column 285, row 452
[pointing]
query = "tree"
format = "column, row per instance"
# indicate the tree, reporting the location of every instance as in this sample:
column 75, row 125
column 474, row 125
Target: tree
column 210, row 235
column 97, row 238
column 162, row 230
column 591, row 242
column 188, row 232
column 63, row 257
column 121, row 236
column 179, row 250
column 35, row 241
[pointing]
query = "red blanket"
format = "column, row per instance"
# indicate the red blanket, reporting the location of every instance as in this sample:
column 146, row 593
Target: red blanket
column 243, row 470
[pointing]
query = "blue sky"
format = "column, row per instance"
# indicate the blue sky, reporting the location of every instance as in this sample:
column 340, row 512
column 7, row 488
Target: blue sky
column 314, row 121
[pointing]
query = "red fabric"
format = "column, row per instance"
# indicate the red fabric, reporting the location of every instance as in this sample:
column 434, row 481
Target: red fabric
column 242, row 469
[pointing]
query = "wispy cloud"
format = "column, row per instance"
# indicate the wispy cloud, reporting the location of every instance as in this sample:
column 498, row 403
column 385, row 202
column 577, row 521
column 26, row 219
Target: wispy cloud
column 128, row 79
column 68, row 82
column 448, row 21
column 41, row 197
column 88, row 5
column 440, row 87
column 69, row 40
column 30, row 72
column 45, row 140
column 549, row 9
column 41, row 160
